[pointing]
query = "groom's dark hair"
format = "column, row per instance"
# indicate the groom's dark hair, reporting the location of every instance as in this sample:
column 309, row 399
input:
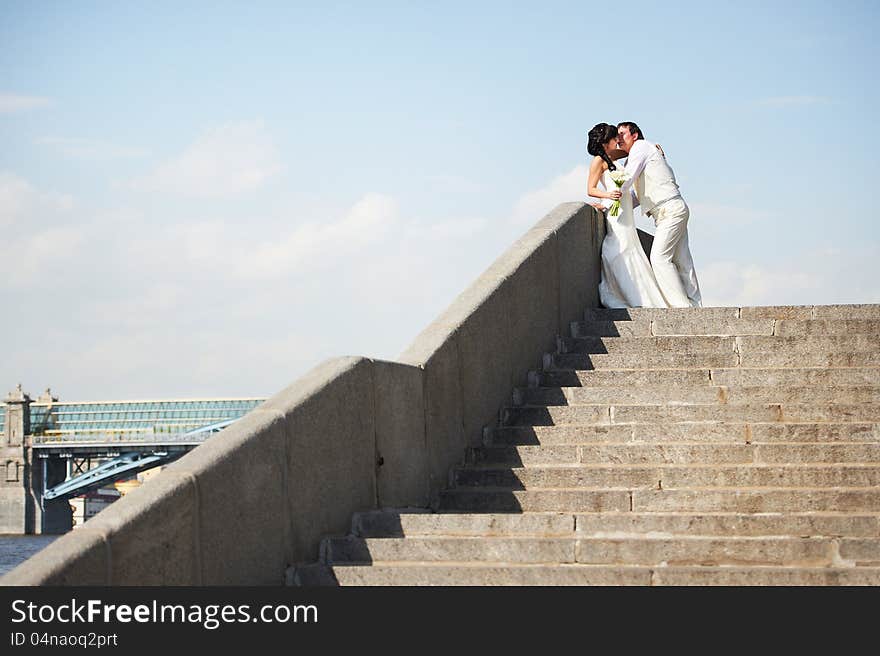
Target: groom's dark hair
column 633, row 128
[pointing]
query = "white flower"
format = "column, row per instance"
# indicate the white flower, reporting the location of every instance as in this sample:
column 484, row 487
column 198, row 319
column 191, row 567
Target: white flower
column 619, row 176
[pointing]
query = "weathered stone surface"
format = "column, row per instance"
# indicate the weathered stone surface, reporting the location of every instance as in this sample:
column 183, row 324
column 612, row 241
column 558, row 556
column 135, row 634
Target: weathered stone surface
column 559, row 435
column 555, row 415
column 735, row 576
column 402, row 450
column 809, row 343
column 671, row 524
column 578, row 248
column 792, row 359
column 79, row 558
column 400, row 524
column 625, row 414
column 450, row 549
column 634, row 454
column 777, row 312
column 575, row 361
column 566, row 501
column 611, row 329
column 817, row 432
column 330, row 454
column 828, row 327
column 669, row 476
column 626, row 379
column 525, row 455
column 864, row 311
column 860, row 551
column 650, row 345
column 838, row 453
column 153, row 533
column 698, row 325
column 672, row 314
column 705, row 551
column 794, row 376
column 244, row 468
column 757, row 501
column 470, row 575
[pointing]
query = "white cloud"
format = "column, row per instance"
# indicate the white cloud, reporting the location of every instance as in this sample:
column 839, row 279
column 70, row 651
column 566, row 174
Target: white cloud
column 10, row 103
column 91, row 149
column 571, row 186
column 232, row 159
column 811, row 278
column 19, row 198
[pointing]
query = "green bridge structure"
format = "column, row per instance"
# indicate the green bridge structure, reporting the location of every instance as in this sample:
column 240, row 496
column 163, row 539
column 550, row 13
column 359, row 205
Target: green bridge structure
column 53, row 451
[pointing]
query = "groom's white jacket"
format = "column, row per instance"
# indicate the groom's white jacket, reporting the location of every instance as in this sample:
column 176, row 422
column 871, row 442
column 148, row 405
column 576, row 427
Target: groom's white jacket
column 649, row 175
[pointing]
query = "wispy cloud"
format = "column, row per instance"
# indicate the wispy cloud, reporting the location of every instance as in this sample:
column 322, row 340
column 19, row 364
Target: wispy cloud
column 228, row 160
column 792, row 101
column 571, row 186
column 91, row 149
column 11, row 102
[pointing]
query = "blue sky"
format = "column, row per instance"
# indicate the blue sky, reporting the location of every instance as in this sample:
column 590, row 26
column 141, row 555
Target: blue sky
column 210, row 199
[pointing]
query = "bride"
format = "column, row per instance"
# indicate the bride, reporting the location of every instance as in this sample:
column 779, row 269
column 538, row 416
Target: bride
column 627, row 277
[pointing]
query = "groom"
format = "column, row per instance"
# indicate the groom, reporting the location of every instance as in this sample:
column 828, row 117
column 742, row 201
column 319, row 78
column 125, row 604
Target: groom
column 657, row 192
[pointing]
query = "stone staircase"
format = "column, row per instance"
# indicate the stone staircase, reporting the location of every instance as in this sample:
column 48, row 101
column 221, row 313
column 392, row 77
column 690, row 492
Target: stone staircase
column 721, row 446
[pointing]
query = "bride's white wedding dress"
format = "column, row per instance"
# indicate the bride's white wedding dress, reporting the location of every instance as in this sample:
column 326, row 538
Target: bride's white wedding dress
column 627, row 277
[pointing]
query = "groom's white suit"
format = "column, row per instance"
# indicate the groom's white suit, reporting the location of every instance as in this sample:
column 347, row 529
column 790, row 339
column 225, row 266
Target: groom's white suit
column 657, row 192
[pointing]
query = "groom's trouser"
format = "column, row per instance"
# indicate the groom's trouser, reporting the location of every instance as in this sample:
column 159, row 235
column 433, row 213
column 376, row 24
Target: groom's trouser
column 671, row 256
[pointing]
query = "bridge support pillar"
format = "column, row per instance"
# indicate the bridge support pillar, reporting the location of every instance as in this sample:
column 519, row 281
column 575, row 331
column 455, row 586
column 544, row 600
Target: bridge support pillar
column 14, row 463
column 50, row 517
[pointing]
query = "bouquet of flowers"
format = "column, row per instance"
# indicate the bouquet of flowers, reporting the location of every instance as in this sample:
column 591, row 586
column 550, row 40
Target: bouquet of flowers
column 618, row 177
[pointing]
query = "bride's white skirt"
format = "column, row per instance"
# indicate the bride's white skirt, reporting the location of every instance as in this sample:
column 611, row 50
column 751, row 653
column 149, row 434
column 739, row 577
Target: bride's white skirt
column 627, row 277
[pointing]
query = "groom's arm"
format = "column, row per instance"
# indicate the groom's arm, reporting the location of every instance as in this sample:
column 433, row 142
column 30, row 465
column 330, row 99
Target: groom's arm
column 635, row 163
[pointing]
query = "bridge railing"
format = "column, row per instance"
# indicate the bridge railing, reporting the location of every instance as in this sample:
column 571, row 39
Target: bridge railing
column 351, row 434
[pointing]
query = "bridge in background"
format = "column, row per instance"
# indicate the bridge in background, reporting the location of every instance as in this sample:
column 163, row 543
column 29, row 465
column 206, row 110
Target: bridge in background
column 53, row 451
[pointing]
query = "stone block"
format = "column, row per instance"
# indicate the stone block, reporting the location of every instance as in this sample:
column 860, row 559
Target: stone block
column 407, row 524
column 699, row 325
column 578, row 247
column 330, row 453
column 475, row 575
column 704, row 551
column 828, row 327
column 244, row 520
column 516, row 501
column 765, row 500
column 450, row 549
column 79, row 558
column 153, row 533
column 402, row 474
column 777, row 312
column 864, row 311
column 764, row 576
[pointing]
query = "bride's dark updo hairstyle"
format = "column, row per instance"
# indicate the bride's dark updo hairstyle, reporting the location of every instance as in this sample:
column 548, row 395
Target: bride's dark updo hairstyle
column 598, row 136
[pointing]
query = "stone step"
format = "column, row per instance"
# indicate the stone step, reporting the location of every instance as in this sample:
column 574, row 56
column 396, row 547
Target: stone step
column 764, row 576
column 667, row 476
column 466, row 574
column 693, row 326
column 695, row 394
column 782, row 312
column 697, row 326
column 743, row 377
column 653, row 413
column 688, row 500
column 671, row 360
column 691, row 550
column 790, row 328
column 393, row 523
column 694, row 432
column 470, row 574
column 647, row 345
column 390, row 523
column 633, row 524
column 796, row 376
column 720, row 344
column 675, row 453
column 803, row 343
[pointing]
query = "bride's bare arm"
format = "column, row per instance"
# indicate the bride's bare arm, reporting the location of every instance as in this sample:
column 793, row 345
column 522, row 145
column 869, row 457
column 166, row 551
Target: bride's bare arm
column 596, row 168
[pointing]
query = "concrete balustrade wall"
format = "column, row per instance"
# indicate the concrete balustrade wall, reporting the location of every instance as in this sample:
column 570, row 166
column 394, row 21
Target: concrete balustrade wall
column 352, row 434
